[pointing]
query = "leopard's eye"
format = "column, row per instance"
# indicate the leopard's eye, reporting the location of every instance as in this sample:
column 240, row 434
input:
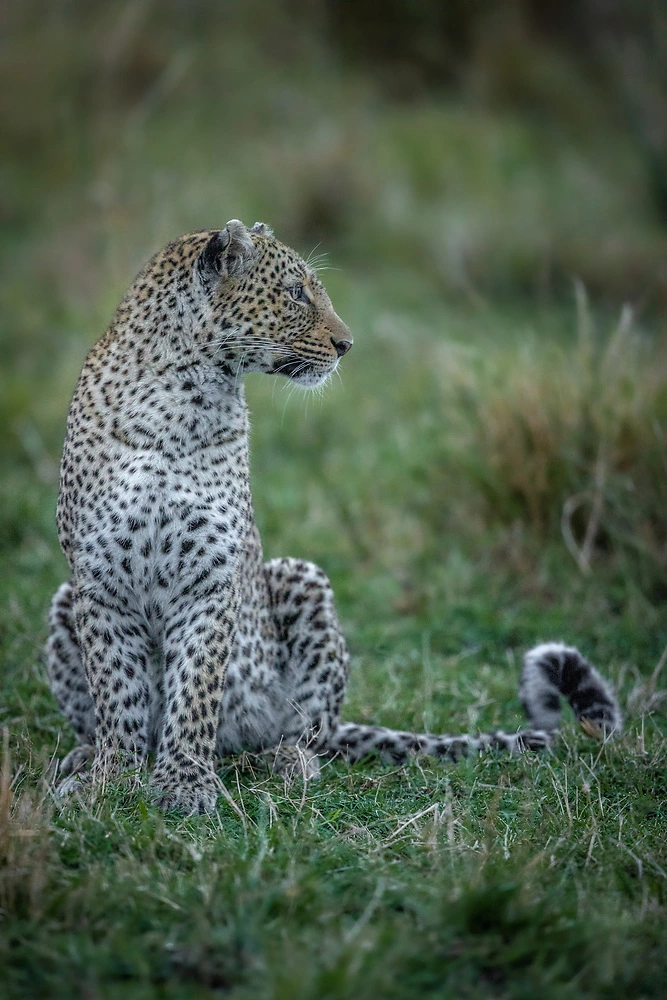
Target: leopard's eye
column 298, row 293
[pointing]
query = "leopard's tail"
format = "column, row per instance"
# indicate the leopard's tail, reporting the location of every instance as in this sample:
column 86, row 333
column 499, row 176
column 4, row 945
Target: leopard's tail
column 549, row 671
column 354, row 742
column 552, row 670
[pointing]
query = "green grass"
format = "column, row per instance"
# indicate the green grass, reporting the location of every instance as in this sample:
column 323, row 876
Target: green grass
column 489, row 473
column 491, row 879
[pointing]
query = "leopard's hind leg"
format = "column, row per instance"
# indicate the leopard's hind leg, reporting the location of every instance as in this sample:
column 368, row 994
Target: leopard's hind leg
column 67, row 680
column 313, row 663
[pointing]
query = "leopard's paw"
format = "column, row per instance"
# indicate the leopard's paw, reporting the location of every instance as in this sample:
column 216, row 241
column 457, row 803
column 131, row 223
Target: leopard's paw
column 293, row 762
column 74, row 784
column 76, row 760
column 189, row 791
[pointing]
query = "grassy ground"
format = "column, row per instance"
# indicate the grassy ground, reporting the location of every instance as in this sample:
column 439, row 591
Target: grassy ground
column 489, row 473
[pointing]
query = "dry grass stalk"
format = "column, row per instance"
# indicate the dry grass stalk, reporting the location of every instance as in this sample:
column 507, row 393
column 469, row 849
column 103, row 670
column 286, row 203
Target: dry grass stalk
column 24, row 846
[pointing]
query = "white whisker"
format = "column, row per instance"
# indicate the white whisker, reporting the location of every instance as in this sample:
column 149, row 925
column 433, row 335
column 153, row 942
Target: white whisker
column 311, row 255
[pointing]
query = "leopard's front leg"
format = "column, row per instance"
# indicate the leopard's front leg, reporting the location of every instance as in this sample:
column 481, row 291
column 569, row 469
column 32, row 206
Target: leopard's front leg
column 197, row 645
column 115, row 649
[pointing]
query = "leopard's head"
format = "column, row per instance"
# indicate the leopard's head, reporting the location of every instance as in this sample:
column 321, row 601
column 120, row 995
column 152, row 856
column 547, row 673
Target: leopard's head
column 266, row 309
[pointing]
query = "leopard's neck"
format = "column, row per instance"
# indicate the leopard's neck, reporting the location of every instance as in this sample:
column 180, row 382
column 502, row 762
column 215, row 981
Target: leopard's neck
column 155, row 405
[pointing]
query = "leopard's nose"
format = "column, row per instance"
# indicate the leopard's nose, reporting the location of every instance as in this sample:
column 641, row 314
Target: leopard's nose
column 342, row 346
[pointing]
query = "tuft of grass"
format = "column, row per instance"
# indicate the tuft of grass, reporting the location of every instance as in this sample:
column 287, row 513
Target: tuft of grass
column 24, row 842
column 565, row 438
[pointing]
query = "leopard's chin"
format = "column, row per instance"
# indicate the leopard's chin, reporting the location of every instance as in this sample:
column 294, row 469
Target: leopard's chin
column 312, row 379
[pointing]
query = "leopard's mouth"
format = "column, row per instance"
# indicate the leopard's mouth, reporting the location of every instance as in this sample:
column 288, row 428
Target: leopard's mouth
column 293, row 366
column 307, row 374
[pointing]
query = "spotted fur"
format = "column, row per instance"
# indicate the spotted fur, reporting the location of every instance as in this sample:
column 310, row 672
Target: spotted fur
column 173, row 636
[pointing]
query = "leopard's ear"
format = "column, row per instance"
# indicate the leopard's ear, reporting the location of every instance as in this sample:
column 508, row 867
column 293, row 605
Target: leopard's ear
column 262, row 229
column 228, row 253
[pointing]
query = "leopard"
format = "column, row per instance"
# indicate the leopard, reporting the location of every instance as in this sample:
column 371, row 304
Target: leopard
column 174, row 643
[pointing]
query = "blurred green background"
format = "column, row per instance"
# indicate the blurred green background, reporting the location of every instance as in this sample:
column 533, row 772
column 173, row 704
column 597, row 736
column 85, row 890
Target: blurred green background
column 492, row 147
column 490, row 182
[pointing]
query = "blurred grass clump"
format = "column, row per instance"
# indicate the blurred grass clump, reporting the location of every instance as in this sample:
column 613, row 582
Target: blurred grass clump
column 565, row 438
